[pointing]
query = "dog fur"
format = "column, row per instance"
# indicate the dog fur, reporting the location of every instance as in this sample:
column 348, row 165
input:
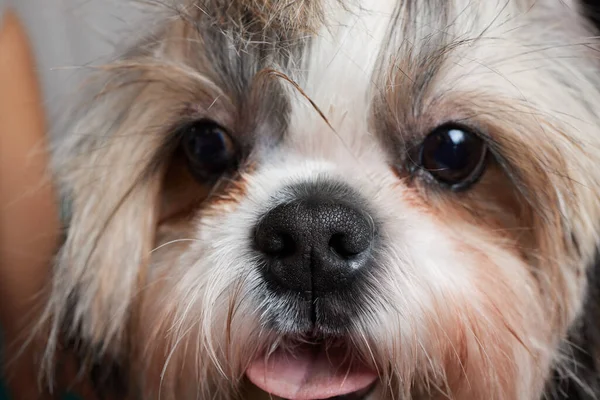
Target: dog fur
column 483, row 293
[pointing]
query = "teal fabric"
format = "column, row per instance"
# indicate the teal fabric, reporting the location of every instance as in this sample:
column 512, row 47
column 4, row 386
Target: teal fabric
column 3, row 394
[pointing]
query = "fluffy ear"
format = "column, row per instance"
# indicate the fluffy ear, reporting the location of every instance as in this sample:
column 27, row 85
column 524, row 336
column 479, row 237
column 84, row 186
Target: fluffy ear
column 577, row 370
column 109, row 170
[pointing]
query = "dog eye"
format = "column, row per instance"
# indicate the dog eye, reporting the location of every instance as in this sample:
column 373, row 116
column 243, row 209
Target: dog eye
column 454, row 156
column 209, row 149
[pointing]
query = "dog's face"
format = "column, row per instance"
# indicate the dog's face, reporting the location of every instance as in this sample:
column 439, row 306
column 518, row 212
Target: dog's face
column 336, row 199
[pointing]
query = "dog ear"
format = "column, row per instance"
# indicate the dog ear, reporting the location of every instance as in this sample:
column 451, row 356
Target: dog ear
column 577, row 372
column 109, row 170
column 576, row 375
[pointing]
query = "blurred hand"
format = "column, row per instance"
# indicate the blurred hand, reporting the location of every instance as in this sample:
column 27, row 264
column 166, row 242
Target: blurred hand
column 28, row 210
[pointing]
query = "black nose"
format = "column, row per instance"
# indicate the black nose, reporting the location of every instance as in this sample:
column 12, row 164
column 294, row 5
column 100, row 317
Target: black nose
column 314, row 245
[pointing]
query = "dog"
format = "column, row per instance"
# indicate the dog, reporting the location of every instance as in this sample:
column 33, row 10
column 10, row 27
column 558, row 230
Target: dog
column 345, row 199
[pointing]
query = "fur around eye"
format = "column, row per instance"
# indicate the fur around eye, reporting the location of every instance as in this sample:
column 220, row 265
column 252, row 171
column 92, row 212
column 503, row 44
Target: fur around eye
column 454, row 156
column 208, row 149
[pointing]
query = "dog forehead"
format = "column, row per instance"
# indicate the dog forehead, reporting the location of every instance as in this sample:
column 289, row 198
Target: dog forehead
column 351, row 61
column 362, row 47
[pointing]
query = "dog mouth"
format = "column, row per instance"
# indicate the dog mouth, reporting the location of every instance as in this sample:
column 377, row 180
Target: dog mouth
column 312, row 371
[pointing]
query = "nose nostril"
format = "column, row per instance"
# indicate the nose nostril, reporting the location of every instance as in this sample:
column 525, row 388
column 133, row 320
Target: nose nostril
column 338, row 243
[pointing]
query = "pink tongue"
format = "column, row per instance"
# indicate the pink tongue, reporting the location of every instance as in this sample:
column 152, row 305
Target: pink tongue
column 309, row 373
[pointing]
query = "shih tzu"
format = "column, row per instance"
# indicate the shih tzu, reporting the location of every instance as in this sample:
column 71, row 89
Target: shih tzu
column 348, row 199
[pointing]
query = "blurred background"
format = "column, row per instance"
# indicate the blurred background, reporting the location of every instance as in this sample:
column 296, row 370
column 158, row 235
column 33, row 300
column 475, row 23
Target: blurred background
column 45, row 47
column 68, row 34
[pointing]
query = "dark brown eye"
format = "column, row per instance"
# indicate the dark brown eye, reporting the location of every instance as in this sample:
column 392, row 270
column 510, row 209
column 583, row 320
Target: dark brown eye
column 454, row 156
column 208, row 148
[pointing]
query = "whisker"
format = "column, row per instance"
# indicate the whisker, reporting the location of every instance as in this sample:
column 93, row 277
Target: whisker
column 172, row 242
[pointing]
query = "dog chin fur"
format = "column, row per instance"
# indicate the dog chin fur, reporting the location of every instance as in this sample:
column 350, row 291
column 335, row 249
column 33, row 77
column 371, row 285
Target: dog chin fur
column 481, row 293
